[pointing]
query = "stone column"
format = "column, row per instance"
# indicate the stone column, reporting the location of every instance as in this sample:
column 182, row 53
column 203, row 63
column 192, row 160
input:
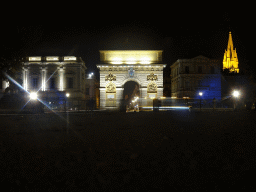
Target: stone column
column 61, row 78
column 25, row 79
column 119, row 96
column 102, row 98
column 43, row 75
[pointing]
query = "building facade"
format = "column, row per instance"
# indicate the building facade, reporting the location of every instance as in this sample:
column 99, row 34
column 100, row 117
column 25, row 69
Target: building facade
column 199, row 74
column 230, row 60
column 58, row 81
column 121, row 66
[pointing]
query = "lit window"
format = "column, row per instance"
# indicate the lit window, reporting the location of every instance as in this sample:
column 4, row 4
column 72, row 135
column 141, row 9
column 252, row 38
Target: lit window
column 69, row 58
column 52, row 58
column 34, row 58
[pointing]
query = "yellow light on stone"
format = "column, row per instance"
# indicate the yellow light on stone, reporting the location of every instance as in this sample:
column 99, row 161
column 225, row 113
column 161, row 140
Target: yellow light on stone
column 34, row 58
column 116, row 60
column 131, row 56
column 145, row 60
column 130, row 61
column 69, row 58
column 52, row 58
column 230, row 59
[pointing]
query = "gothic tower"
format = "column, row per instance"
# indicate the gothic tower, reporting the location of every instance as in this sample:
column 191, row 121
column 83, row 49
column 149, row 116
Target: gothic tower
column 230, row 60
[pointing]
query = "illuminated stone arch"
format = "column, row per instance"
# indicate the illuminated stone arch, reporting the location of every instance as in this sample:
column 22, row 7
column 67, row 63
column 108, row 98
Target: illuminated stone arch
column 119, row 67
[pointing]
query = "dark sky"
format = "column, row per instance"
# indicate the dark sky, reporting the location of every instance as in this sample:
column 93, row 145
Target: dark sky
column 179, row 31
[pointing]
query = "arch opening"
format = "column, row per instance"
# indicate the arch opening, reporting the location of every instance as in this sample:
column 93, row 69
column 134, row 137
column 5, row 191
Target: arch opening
column 130, row 93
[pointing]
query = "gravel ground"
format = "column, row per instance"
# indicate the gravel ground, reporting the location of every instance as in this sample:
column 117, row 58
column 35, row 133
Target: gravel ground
column 100, row 151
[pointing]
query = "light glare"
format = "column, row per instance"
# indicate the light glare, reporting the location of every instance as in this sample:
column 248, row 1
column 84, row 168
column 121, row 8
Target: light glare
column 33, row 95
column 236, row 93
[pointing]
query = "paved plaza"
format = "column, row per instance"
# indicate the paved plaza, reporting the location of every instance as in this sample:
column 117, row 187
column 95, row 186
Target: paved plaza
column 110, row 151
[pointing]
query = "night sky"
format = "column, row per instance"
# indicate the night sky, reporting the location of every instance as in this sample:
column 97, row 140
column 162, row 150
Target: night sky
column 181, row 32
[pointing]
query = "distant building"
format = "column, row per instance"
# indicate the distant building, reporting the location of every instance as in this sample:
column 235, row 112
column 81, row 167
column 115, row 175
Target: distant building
column 199, row 74
column 230, row 60
column 56, row 80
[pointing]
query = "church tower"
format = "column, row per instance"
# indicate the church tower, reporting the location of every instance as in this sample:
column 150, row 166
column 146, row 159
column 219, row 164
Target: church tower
column 230, row 60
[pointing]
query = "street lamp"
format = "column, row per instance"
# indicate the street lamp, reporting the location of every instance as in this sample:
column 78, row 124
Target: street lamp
column 200, row 93
column 66, row 101
column 33, row 96
column 236, row 95
column 90, row 75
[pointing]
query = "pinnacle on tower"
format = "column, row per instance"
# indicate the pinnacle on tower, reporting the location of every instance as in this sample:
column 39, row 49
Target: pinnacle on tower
column 230, row 60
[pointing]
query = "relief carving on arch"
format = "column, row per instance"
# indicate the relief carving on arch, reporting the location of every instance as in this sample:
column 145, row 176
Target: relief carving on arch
column 152, row 77
column 152, row 87
column 110, row 77
column 110, row 87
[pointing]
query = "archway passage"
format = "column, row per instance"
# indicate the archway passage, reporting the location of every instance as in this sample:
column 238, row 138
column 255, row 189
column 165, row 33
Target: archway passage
column 131, row 90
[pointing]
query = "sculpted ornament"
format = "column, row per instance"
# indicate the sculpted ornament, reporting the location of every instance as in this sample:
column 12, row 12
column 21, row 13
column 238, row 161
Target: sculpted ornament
column 111, row 88
column 131, row 72
column 110, row 77
column 152, row 77
column 152, row 87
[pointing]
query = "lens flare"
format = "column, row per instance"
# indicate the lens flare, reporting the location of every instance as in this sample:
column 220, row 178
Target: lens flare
column 33, row 95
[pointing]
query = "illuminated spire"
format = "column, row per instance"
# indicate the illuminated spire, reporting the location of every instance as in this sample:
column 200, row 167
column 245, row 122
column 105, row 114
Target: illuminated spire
column 230, row 60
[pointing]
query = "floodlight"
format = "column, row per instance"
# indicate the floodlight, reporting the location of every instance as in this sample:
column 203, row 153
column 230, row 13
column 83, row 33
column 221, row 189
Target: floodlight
column 236, row 93
column 33, row 95
column 200, row 93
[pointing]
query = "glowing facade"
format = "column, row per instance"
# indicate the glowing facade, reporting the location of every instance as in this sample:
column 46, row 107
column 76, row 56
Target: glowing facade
column 230, row 60
column 53, row 76
column 120, row 66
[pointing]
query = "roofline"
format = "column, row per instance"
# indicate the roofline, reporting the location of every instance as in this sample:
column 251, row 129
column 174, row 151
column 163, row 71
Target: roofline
column 127, row 50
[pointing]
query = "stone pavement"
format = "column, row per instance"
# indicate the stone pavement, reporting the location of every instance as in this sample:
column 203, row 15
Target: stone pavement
column 118, row 151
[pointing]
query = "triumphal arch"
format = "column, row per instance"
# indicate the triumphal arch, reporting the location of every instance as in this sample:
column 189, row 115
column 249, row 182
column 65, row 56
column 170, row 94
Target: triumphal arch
column 120, row 66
